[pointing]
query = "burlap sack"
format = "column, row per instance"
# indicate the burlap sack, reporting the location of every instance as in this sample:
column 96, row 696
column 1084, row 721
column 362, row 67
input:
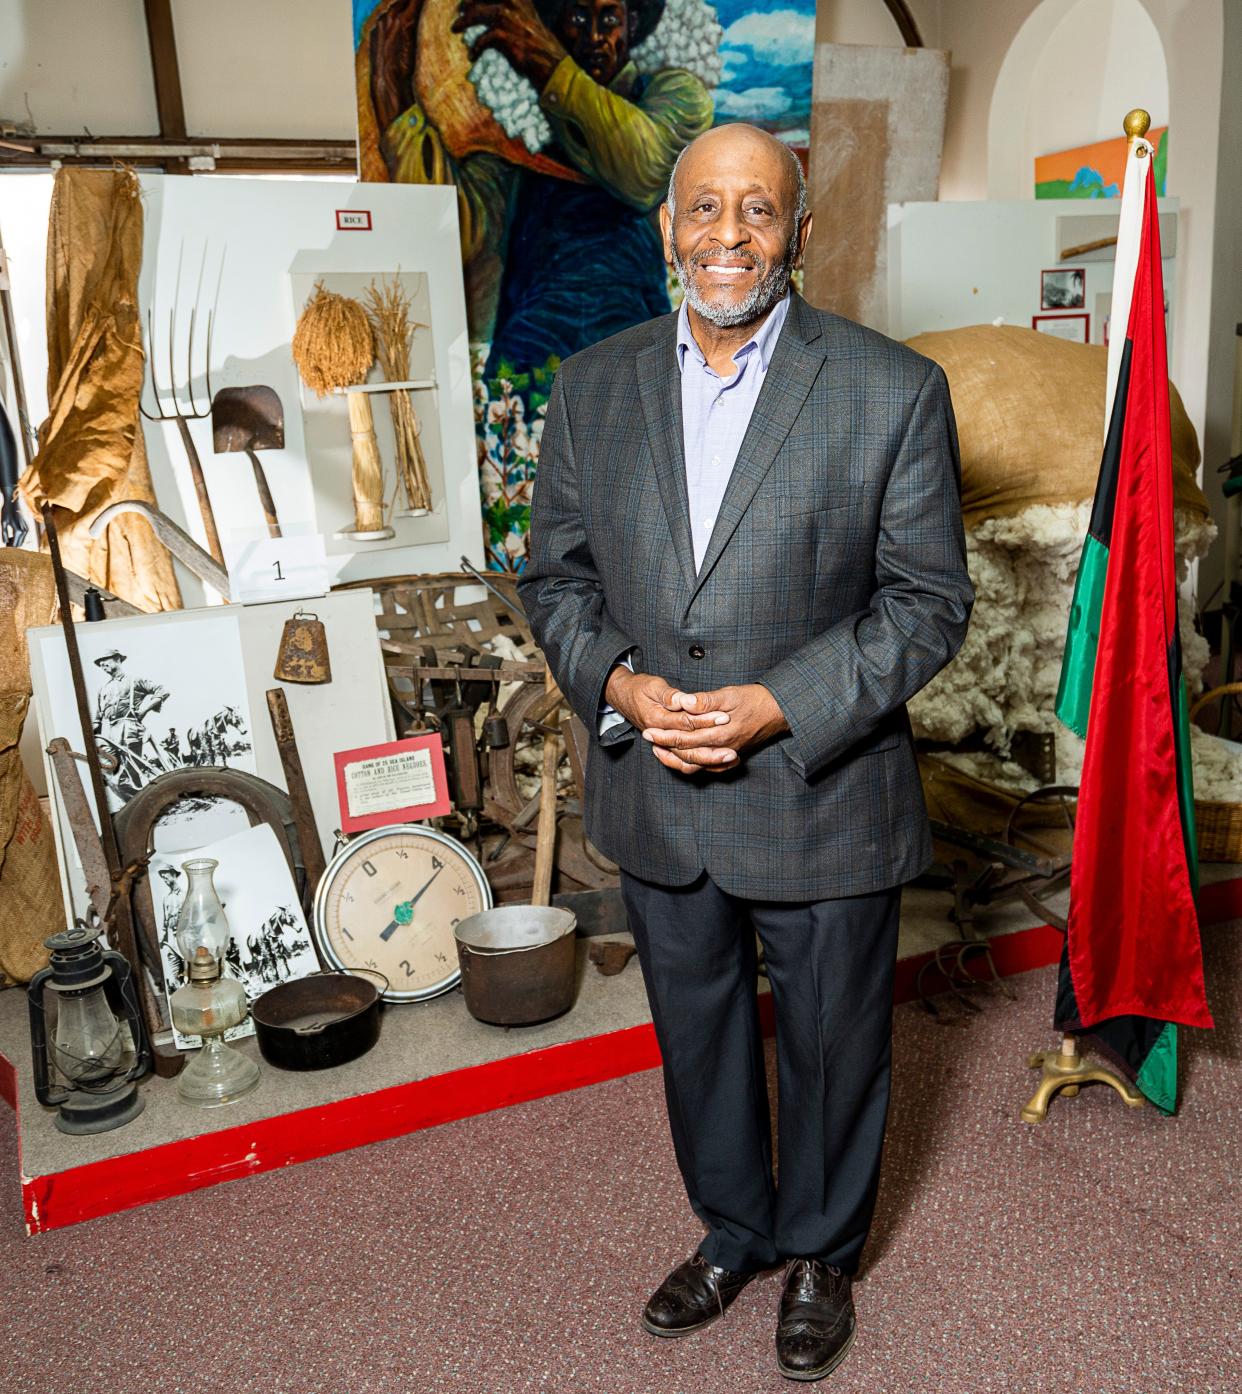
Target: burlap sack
column 30, row 898
column 1030, row 418
column 91, row 450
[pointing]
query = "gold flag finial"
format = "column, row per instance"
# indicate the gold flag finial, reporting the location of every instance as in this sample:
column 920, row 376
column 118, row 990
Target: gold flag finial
column 1136, row 123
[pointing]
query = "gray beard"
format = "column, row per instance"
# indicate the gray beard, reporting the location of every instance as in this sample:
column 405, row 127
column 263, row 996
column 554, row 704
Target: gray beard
column 761, row 297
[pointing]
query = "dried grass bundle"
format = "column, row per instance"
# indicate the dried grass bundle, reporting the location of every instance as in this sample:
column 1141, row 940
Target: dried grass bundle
column 388, row 308
column 333, row 347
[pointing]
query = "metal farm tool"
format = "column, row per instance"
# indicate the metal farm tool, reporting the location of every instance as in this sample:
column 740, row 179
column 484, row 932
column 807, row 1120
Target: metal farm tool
column 168, row 405
column 250, row 419
column 178, row 542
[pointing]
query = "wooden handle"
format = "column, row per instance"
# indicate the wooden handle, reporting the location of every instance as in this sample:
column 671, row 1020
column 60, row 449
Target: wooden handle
column 1225, row 690
column 200, row 489
column 295, row 781
column 266, row 501
column 545, row 835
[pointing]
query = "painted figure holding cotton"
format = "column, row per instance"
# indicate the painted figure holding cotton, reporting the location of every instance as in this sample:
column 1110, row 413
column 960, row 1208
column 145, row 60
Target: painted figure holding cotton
column 559, row 122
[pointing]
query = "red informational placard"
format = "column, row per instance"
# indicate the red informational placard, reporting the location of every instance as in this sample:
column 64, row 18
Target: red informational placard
column 397, row 782
column 353, row 220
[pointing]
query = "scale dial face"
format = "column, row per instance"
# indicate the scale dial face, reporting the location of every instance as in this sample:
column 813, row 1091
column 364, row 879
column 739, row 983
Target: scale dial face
column 389, row 901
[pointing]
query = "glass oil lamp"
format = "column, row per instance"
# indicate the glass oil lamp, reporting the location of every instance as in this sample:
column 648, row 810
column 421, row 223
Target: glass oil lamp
column 88, row 1046
column 208, row 1004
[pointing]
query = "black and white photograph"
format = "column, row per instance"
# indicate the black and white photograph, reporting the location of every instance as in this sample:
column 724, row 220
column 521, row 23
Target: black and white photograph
column 270, row 941
column 1063, row 288
column 161, row 697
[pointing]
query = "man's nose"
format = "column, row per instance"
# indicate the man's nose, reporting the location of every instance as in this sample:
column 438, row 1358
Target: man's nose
column 731, row 230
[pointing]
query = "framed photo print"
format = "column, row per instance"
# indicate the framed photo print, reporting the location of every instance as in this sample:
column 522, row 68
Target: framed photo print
column 1075, row 328
column 1063, row 288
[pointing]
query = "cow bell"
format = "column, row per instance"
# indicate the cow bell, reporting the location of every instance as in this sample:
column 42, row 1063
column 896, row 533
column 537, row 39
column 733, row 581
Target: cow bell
column 303, row 655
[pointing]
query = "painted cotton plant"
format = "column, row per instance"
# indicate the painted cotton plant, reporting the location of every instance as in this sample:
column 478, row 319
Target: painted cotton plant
column 509, row 413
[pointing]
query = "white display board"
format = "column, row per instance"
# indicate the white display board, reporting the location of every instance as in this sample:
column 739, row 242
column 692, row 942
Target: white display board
column 350, row 711
column 243, row 250
column 958, row 263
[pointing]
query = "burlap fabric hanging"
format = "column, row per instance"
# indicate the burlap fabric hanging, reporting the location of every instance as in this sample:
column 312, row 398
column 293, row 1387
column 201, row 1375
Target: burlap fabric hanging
column 30, row 898
column 1030, row 419
column 91, row 450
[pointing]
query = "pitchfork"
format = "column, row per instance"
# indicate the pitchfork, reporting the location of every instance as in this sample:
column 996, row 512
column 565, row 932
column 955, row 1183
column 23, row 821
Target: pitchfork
column 179, row 414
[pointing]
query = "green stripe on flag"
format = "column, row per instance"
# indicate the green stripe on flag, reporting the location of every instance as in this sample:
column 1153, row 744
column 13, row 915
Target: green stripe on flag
column 1083, row 638
column 1157, row 1076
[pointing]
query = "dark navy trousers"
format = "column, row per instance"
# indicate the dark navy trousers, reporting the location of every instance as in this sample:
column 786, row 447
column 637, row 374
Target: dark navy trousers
column 830, row 966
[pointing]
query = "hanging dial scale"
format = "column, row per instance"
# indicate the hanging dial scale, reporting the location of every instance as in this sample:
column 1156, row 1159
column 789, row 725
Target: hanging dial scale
column 389, row 901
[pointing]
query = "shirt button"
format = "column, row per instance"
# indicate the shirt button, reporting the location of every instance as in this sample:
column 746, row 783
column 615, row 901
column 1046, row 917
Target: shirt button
column 697, row 651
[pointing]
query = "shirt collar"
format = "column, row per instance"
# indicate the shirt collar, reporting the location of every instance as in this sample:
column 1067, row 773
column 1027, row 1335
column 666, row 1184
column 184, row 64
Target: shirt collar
column 763, row 340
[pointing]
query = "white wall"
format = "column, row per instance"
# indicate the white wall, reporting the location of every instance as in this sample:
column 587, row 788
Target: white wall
column 74, row 64
column 955, row 263
column 1073, row 70
column 281, row 68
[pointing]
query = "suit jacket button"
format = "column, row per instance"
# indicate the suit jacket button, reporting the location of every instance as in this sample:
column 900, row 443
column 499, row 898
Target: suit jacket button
column 697, row 651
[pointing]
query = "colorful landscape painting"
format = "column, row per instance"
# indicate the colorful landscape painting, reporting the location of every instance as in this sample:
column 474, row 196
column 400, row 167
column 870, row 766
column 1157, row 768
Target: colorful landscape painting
column 1095, row 171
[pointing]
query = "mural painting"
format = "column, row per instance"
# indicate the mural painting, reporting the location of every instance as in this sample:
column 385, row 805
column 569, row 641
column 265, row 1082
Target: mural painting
column 559, row 122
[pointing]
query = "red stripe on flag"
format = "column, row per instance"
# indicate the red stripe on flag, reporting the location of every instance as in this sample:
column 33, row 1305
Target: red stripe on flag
column 1133, row 934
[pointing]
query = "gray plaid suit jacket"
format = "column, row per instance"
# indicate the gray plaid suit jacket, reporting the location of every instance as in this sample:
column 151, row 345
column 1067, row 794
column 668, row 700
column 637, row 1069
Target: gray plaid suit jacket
column 835, row 575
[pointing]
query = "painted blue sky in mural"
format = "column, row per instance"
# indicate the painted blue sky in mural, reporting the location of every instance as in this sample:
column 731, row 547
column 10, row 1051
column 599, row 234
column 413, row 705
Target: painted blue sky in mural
column 767, row 51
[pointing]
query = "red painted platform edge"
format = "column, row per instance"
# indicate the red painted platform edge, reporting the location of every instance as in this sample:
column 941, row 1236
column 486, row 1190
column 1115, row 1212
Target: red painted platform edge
column 190, row 1164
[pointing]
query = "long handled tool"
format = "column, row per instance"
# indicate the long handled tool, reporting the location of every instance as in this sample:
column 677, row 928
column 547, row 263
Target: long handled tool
column 119, row 922
column 250, row 419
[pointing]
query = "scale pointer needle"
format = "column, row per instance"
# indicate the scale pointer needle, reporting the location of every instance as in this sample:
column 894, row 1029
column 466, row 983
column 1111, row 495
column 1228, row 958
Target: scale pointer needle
column 408, row 906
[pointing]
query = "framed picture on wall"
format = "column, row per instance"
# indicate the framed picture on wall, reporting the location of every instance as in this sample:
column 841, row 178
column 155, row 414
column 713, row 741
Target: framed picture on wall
column 1075, row 328
column 1063, row 288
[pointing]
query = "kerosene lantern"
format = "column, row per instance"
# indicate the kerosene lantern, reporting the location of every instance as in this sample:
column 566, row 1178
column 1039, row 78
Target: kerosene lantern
column 208, row 1004
column 97, row 1045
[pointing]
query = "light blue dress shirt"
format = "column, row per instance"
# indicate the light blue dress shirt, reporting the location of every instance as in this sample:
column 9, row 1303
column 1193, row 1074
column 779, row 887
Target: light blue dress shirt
column 715, row 413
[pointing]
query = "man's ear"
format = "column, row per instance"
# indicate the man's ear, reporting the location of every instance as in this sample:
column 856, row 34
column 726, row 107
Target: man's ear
column 803, row 234
column 666, row 232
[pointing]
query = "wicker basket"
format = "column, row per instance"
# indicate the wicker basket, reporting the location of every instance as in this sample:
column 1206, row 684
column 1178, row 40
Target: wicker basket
column 1218, row 826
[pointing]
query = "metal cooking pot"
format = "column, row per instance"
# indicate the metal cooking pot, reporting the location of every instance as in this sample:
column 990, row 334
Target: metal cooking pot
column 320, row 1021
column 518, row 963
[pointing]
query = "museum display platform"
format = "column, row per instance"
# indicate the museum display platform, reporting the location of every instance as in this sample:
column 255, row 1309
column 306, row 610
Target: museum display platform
column 434, row 1063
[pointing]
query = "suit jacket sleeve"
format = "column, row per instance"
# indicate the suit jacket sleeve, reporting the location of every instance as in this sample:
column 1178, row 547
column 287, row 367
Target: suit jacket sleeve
column 560, row 588
column 838, row 687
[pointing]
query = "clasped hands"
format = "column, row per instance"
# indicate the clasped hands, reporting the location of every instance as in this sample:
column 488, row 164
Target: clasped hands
column 691, row 732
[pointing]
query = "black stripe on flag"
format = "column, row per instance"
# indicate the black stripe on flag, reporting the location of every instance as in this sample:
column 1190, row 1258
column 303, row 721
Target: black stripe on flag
column 1101, row 525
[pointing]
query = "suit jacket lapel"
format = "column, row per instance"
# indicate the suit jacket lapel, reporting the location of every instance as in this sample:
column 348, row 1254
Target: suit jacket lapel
column 659, row 389
column 795, row 364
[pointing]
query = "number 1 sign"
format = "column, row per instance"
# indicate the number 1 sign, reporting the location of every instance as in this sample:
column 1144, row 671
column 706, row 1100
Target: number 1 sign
column 265, row 568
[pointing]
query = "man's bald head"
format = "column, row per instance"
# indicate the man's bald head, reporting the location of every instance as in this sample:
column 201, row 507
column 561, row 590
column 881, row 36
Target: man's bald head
column 735, row 223
column 723, row 143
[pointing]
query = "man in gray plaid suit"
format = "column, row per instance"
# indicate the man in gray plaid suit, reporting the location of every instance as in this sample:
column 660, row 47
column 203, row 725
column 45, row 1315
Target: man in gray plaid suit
column 746, row 556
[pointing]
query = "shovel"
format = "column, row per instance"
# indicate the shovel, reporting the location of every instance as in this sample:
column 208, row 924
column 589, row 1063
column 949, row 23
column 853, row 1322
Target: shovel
column 250, row 419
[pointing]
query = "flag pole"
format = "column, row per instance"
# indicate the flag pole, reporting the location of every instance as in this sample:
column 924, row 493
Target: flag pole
column 1063, row 1071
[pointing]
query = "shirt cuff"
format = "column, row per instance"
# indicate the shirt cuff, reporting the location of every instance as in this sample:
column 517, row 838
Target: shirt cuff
column 609, row 716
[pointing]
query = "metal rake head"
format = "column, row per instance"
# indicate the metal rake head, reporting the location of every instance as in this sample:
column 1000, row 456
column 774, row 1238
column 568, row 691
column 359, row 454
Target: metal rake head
column 162, row 395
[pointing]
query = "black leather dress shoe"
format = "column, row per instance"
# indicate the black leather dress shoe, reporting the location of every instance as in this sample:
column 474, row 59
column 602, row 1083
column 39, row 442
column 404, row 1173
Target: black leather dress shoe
column 816, row 1327
column 694, row 1293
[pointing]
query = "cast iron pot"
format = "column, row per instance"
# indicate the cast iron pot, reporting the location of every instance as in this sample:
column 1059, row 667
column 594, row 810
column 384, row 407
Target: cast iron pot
column 518, row 963
column 317, row 1022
